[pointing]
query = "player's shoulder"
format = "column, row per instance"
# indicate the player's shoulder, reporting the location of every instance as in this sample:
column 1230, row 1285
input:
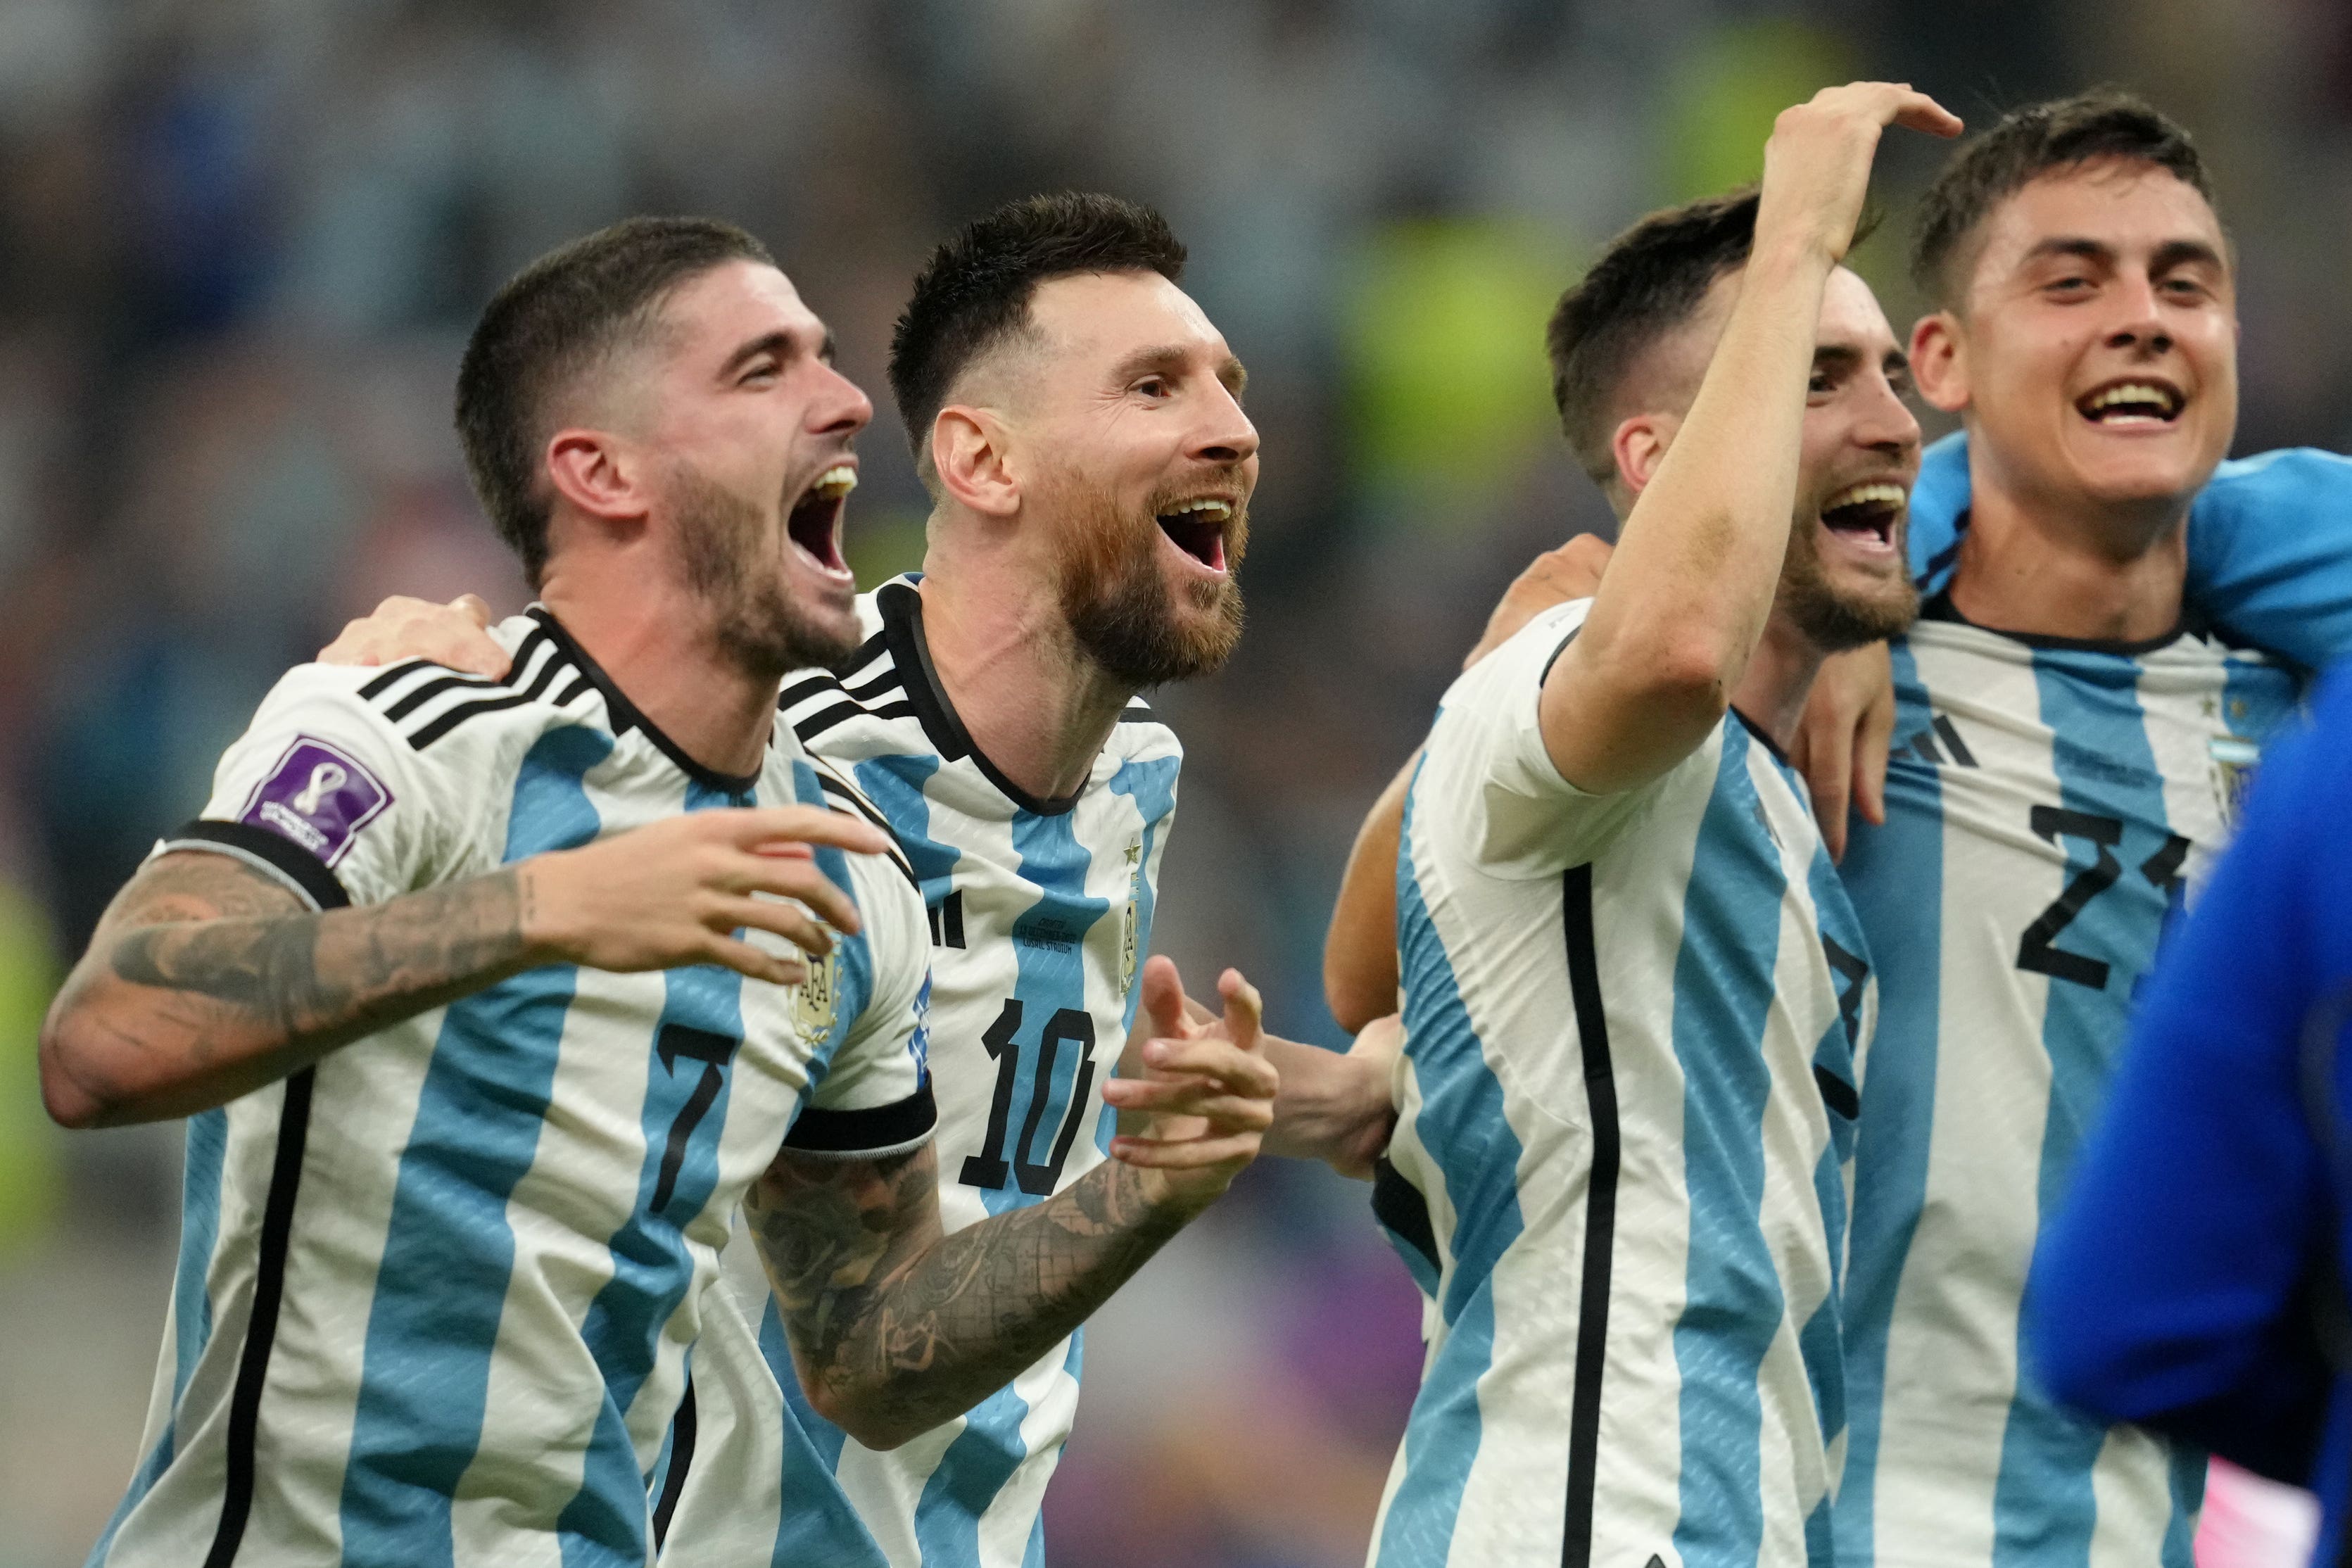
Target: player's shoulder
column 864, row 699
column 448, row 715
column 888, row 877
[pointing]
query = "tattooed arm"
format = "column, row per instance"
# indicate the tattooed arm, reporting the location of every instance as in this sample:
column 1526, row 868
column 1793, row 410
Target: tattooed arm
column 207, row 979
column 897, row 1327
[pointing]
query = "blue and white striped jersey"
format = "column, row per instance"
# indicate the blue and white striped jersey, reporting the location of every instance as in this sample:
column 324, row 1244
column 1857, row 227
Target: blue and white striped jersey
column 1041, row 916
column 1627, row 1098
column 2048, row 804
column 436, row 1294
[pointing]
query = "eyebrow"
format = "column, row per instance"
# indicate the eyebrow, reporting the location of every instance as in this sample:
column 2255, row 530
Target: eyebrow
column 1170, row 359
column 1845, row 358
column 779, row 343
column 2175, row 253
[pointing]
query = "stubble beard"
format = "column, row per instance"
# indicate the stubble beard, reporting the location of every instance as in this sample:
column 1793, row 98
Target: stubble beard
column 728, row 564
column 1835, row 620
column 1117, row 602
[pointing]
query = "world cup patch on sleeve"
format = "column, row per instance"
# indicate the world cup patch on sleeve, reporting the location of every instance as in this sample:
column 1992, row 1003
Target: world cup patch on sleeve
column 318, row 797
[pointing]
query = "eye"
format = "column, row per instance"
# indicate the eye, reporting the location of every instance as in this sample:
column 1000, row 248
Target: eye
column 1822, row 383
column 2183, row 288
column 2072, row 286
column 1155, row 386
column 760, row 372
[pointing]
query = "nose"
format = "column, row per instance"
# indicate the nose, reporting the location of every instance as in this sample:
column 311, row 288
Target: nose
column 839, row 406
column 2140, row 322
column 1225, row 433
column 1885, row 423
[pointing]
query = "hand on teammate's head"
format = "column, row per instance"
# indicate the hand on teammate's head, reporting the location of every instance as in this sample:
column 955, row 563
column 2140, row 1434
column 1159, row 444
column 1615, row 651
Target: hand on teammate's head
column 1817, row 162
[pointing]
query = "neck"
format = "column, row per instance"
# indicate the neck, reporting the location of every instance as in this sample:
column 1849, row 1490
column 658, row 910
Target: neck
column 653, row 640
column 1034, row 703
column 2069, row 567
column 1779, row 676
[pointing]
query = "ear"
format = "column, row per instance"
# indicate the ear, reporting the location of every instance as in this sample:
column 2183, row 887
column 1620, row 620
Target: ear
column 967, row 453
column 1640, row 445
column 598, row 474
column 1939, row 362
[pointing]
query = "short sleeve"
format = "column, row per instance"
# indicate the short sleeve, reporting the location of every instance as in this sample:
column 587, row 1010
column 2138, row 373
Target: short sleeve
column 1488, row 779
column 875, row 1097
column 322, row 793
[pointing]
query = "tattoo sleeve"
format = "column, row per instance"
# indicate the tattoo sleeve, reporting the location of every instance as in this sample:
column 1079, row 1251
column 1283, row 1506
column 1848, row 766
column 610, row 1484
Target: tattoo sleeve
column 901, row 1327
column 208, row 979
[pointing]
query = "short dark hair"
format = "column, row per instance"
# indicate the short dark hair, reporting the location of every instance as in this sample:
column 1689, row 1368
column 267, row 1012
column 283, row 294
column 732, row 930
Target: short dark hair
column 2022, row 145
column 1648, row 281
column 552, row 320
column 974, row 292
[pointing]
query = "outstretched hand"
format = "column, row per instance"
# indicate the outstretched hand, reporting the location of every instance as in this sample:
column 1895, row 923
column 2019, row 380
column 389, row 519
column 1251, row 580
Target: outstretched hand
column 1207, row 1092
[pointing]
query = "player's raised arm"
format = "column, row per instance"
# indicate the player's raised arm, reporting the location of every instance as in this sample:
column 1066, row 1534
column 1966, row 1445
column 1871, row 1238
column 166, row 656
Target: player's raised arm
column 209, row 978
column 1679, row 614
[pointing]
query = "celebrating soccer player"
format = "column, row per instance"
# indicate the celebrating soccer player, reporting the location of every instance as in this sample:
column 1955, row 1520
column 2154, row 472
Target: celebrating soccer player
column 480, row 987
column 1634, row 989
column 1078, row 422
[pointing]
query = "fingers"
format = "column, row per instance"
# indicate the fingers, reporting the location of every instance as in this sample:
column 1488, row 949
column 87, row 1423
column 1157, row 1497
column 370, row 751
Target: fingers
column 1828, row 768
column 795, row 925
column 402, row 628
column 1244, row 1009
column 473, row 604
column 1191, row 1154
column 781, row 879
column 1190, row 1097
column 1242, row 1071
column 757, row 828
column 1871, row 745
column 751, row 963
column 1163, row 997
column 1918, row 111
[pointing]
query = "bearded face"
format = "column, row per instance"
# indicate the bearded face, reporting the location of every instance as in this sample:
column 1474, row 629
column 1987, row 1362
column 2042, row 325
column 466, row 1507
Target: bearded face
column 729, row 549
column 1844, row 610
column 1124, row 605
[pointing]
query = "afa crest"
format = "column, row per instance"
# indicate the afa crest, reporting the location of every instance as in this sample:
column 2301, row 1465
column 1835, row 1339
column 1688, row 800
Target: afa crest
column 2233, row 762
column 1127, row 929
column 816, row 1001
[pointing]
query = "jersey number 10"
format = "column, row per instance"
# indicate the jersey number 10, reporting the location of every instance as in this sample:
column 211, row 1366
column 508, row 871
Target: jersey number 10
column 992, row 1167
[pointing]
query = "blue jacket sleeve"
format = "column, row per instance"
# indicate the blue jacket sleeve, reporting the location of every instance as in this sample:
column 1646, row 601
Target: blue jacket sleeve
column 2270, row 545
column 2172, row 1287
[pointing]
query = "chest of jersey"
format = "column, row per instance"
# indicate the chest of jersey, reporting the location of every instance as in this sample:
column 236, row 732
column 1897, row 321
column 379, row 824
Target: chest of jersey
column 1039, row 924
column 2079, row 794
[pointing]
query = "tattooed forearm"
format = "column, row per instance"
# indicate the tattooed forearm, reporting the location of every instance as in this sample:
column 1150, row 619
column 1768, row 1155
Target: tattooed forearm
column 898, row 1328
column 208, row 979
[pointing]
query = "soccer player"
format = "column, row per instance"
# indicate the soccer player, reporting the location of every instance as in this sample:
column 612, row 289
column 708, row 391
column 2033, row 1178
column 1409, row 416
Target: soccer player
column 2067, row 753
column 1634, row 991
column 453, row 971
column 1078, row 423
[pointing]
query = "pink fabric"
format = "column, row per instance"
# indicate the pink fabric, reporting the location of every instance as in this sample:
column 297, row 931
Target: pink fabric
column 2249, row 1522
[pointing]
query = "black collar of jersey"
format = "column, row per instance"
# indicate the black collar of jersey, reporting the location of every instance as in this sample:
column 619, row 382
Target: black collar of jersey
column 1941, row 608
column 901, row 607
column 625, row 715
column 1763, row 735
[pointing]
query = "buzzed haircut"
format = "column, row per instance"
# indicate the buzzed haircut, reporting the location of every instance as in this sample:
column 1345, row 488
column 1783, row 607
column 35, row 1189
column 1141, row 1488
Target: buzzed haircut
column 1650, row 280
column 974, row 292
column 556, row 321
column 2024, row 145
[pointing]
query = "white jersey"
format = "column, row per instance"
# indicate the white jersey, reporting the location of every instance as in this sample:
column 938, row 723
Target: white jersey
column 1626, row 1097
column 1040, row 915
column 436, row 1293
column 2048, row 803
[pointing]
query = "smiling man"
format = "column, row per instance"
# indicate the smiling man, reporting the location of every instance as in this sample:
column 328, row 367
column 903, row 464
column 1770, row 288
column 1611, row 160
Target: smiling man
column 1634, row 993
column 2067, row 756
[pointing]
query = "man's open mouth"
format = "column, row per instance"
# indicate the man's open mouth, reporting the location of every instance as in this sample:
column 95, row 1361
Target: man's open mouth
column 814, row 521
column 1867, row 512
column 2137, row 401
column 1198, row 529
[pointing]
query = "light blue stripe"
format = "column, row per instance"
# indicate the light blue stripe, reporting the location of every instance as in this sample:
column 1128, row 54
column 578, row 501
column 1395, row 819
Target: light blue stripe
column 1734, row 1303
column 1049, row 939
column 817, row 1524
column 1151, row 787
column 606, row 1521
column 1462, row 1124
column 2043, row 1507
column 1822, row 1341
column 442, row 1281
column 191, row 1303
column 1894, row 876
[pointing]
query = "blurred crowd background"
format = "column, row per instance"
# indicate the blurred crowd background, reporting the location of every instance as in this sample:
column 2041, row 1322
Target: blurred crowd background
column 241, row 242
